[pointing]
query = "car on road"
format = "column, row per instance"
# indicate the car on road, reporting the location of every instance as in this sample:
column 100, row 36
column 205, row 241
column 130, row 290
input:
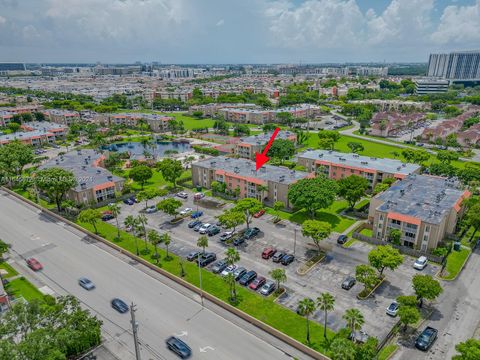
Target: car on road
column 392, row 309
column 185, row 211
column 219, row 266
column 198, row 196
column 420, row 263
column 87, row 284
column 178, row 347
column 267, row 253
column 342, row 239
column 206, row 259
column 194, row 223
column 239, row 272
column 426, row 338
column 107, row 217
column 128, row 201
column 259, row 213
column 250, row 233
column 196, row 214
column 348, row 283
column 213, row 230
column 34, row 264
column 257, row 283
column 193, row 255
column 198, row 226
column 268, row 288
column 287, row 259
column 119, row 305
column 226, row 235
column 277, row 257
column 239, row 241
column 182, row 195
column 151, row 209
column 204, row 228
column 229, row 270
column 247, row 278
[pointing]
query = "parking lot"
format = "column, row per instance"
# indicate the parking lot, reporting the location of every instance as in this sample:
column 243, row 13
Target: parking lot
column 325, row 276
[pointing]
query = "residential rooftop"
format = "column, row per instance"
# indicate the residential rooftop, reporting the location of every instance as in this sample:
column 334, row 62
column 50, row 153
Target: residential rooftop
column 246, row 168
column 428, row 198
column 392, row 166
column 23, row 135
column 43, row 126
column 261, row 139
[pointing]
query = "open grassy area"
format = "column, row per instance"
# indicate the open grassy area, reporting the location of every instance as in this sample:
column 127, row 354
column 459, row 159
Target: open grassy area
column 21, row 287
column 455, row 262
column 367, row 232
column 157, row 180
column 387, row 351
column 191, row 122
column 10, row 270
column 361, row 204
column 252, row 303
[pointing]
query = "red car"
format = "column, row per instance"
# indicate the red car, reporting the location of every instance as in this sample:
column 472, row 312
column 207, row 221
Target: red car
column 268, row 253
column 34, row 264
column 107, row 212
column 257, row 283
column 260, row 213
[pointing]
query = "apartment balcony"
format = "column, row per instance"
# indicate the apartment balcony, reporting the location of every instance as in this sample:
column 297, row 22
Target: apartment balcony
column 394, row 226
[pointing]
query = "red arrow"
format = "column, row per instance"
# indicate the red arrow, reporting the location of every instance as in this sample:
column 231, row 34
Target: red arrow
column 262, row 158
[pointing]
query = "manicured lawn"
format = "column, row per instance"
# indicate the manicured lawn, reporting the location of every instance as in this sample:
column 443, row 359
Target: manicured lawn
column 157, row 180
column 254, row 304
column 455, row 262
column 350, row 242
column 367, row 232
column 387, row 351
column 10, row 270
column 191, row 122
column 361, row 204
column 21, row 287
column 27, row 195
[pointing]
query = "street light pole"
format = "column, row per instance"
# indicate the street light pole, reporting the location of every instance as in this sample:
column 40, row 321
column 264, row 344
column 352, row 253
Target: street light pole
column 200, row 276
column 133, row 308
column 294, row 240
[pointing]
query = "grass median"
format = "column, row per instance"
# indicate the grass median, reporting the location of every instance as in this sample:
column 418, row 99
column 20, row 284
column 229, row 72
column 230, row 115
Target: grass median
column 264, row 309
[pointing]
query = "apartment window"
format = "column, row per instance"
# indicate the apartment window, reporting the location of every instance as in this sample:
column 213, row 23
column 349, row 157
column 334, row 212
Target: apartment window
column 396, row 222
column 379, row 225
column 410, row 235
column 425, row 237
column 381, row 217
column 427, row 228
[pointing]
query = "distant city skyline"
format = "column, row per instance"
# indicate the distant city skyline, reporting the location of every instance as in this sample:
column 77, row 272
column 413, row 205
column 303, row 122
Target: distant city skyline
column 235, row 32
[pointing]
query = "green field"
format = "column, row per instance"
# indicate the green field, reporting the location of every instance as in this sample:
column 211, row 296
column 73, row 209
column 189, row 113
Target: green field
column 191, row 122
column 455, row 262
column 21, row 287
column 157, row 180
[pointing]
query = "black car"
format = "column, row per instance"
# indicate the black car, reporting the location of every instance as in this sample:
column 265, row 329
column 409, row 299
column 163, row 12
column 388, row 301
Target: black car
column 107, row 217
column 128, row 201
column 194, row 223
column 213, row 230
column 239, row 272
column 193, row 255
column 426, row 339
column 277, row 257
column 206, row 259
column 250, row 233
column 179, row 347
column 342, row 239
column 348, row 283
column 219, row 266
column 248, row 278
column 239, row 241
column 120, row 305
column 287, row 259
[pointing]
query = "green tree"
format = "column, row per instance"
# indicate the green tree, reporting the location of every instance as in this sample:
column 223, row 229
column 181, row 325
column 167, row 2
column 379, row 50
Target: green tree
column 408, row 315
column 55, row 182
column 140, row 174
column 202, row 242
column 326, row 303
column 14, row 127
column 426, row 287
column 232, row 256
column 132, row 222
column 354, row 319
column 154, row 238
column 394, row 236
column 166, row 240
column 115, row 210
column 385, row 256
column 277, row 207
column 171, row 170
column 473, row 219
column 355, row 147
column 416, row 156
column 90, row 216
column 342, row 349
column 329, row 137
column 248, row 207
column 241, row 130
column 279, row 276
column 446, row 156
column 352, row 188
column 366, row 275
column 142, row 221
column 149, row 194
column 281, row 149
column 306, row 307
column 367, row 350
column 14, row 156
column 468, row 350
column 313, row 194
column 231, row 219
column 169, row 206
column 317, row 231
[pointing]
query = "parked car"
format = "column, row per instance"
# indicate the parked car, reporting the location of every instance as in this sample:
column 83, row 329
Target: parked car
column 198, row 196
column 178, row 347
column 342, row 239
column 193, row 223
column 193, row 255
column 197, row 227
column 259, row 213
column 239, row 272
column 226, row 235
column 230, row 269
column 151, row 209
column 107, row 212
column 128, row 201
column 268, row 253
column 268, row 288
column 134, row 199
column 247, row 278
column 107, row 217
column 182, row 195
column 219, row 266
column 119, row 305
column 185, row 211
column 239, row 241
column 287, row 259
column 204, row 228
column 213, row 230
column 257, row 283
column 34, row 264
column 420, row 263
column 206, row 259
column 87, row 284
column 250, row 233
column 196, row 214
column 348, row 283
column 392, row 309
column 426, row 338
column 277, row 257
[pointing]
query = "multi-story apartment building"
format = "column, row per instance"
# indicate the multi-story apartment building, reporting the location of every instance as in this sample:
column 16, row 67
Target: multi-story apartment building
column 450, row 126
column 337, row 165
column 59, row 131
column 158, row 123
column 268, row 184
column 94, row 183
column 455, row 66
column 65, row 117
column 36, row 134
column 247, row 147
column 424, row 208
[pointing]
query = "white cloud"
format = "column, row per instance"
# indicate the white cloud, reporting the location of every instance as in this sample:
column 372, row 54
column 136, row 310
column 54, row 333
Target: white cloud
column 220, row 22
column 2, row 20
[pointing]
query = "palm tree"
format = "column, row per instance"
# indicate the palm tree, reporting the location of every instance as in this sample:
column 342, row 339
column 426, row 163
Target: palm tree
column 325, row 302
column 115, row 209
column 232, row 256
column 202, row 242
column 230, row 280
column 166, row 239
column 306, row 307
column 132, row 222
column 354, row 320
column 145, row 141
column 154, row 238
column 279, row 276
column 261, row 189
column 142, row 221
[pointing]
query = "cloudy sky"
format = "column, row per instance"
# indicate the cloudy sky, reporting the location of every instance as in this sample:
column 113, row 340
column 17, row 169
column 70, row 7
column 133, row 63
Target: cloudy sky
column 235, row 31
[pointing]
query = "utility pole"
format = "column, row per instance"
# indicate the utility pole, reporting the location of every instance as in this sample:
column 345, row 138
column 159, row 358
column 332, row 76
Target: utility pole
column 133, row 308
column 294, row 239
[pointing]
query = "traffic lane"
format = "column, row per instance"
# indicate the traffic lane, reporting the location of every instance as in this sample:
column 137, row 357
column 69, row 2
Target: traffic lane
column 66, row 258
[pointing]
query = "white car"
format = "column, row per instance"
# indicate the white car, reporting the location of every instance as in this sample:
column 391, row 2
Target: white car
column 204, row 228
column 420, row 263
column 151, row 210
column 185, row 211
column 229, row 270
column 392, row 309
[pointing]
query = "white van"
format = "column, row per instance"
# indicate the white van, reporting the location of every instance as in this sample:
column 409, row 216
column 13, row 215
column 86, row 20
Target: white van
column 420, row 263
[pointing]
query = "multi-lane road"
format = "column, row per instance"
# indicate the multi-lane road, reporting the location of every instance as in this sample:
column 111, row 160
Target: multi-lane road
column 66, row 255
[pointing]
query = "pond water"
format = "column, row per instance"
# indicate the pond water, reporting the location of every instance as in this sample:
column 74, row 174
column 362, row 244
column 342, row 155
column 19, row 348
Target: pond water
column 137, row 149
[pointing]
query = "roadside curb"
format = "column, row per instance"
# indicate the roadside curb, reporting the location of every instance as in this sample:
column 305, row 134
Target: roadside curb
column 310, row 267
column 372, row 291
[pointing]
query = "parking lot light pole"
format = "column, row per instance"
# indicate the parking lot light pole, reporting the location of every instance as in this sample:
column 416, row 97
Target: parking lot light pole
column 294, row 239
